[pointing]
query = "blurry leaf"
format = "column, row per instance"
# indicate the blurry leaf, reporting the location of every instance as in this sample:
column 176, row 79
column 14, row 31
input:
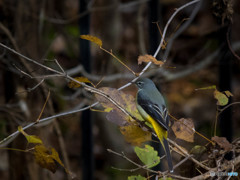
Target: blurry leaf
column 197, row 150
column 166, row 178
column 222, row 99
column 126, row 101
column 148, row 156
column 135, row 135
column 149, row 58
column 184, row 129
column 222, row 142
column 55, row 156
column 46, row 158
column 228, row 93
column 92, row 39
column 139, row 177
column 207, row 88
column 73, row 84
column 72, row 30
column 30, row 138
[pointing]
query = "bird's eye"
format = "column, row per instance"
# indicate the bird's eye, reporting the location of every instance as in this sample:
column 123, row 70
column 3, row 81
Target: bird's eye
column 139, row 83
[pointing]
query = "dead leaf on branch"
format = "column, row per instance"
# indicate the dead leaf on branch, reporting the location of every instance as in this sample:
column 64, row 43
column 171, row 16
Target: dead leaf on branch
column 128, row 127
column 45, row 157
column 222, row 142
column 184, row 129
column 126, row 101
column 149, row 58
column 73, row 84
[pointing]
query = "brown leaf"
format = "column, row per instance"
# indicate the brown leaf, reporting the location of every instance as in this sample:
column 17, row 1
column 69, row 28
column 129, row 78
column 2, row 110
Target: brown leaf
column 222, row 142
column 117, row 118
column 184, row 129
column 126, row 101
column 149, row 58
column 135, row 135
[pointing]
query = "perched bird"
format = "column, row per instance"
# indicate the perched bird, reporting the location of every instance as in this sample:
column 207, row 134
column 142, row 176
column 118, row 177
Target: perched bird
column 152, row 107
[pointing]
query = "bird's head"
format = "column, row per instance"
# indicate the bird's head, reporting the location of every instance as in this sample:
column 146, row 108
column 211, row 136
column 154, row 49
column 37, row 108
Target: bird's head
column 145, row 83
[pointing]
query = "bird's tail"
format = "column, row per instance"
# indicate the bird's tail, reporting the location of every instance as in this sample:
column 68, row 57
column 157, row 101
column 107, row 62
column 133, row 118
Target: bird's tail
column 168, row 155
column 162, row 136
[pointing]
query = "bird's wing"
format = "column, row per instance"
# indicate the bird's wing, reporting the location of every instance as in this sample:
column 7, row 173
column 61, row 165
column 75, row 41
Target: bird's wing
column 154, row 110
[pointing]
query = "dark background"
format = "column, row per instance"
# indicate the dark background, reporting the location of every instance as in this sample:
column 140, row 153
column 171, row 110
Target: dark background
column 47, row 30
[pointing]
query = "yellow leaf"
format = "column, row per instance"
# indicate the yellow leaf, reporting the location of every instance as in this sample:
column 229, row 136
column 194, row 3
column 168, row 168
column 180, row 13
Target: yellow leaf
column 55, row 156
column 44, row 159
column 135, row 135
column 149, row 58
column 222, row 99
column 92, row 39
column 30, row 138
column 228, row 93
column 184, row 129
column 73, row 84
column 207, row 88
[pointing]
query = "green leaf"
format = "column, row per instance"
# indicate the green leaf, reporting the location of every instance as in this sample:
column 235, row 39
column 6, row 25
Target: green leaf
column 148, row 156
column 198, row 150
column 168, row 178
column 139, row 177
column 222, row 99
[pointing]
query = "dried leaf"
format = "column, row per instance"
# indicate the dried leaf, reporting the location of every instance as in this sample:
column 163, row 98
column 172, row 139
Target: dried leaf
column 126, row 101
column 149, row 58
column 92, row 39
column 132, row 133
column 73, row 84
column 184, row 129
column 116, row 117
column 222, row 99
column 44, row 159
column 222, row 142
column 30, row 138
column 135, row 135
column 148, row 156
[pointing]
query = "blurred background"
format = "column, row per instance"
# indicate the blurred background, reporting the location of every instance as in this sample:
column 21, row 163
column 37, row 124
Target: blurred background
column 201, row 49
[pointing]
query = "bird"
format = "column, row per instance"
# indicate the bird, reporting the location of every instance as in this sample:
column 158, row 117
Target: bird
column 152, row 107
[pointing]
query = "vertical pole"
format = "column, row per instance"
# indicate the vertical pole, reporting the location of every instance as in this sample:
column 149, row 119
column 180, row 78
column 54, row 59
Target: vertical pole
column 154, row 38
column 225, row 61
column 86, row 120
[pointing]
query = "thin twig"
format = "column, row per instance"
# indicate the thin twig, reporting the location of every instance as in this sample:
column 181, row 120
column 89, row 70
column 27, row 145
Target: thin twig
column 186, row 154
column 136, row 164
